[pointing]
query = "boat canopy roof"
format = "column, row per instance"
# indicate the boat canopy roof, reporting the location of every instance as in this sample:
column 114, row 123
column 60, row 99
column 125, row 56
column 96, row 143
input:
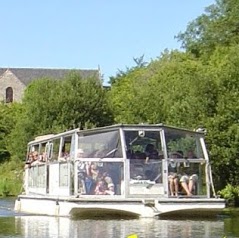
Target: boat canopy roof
column 155, row 127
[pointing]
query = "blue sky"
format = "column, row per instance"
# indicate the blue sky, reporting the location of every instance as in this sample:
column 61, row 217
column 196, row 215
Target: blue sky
column 85, row 34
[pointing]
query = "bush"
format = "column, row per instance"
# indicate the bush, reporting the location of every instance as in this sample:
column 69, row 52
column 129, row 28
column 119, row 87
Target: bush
column 231, row 194
column 11, row 173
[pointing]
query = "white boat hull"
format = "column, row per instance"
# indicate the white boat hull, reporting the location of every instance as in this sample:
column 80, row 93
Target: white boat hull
column 116, row 207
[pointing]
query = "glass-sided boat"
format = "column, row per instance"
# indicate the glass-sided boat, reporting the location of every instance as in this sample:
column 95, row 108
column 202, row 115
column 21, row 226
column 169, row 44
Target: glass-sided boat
column 110, row 171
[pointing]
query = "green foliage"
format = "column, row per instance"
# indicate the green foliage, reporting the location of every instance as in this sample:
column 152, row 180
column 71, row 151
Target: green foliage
column 51, row 106
column 81, row 103
column 231, row 194
column 170, row 90
column 11, row 178
column 217, row 26
column 7, row 121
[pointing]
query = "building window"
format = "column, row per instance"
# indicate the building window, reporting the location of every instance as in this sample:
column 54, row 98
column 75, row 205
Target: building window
column 9, row 94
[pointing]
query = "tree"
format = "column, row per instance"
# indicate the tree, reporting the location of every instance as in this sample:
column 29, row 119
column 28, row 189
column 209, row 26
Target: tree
column 51, row 106
column 8, row 117
column 218, row 26
column 139, row 63
column 82, row 102
column 223, row 128
column 165, row 91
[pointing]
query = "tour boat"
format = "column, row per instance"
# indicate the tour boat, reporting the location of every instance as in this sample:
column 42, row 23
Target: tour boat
column 119, row 170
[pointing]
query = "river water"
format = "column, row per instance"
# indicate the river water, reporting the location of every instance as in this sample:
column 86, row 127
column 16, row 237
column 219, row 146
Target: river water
column 32, row 226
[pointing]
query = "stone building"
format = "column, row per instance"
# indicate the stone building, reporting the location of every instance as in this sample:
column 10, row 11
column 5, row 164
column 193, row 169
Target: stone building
column 13, row 81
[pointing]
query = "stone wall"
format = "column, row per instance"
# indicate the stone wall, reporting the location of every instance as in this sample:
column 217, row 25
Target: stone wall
column 8, row 79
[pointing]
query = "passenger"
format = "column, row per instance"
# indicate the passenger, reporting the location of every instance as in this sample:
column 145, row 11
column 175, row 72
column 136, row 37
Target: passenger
column 35, row 156
column 80, row 153
column 113, row 172
column 107, row 178
column 111, row 189
column 43, row 157
column 93, row 170
column 188, row 183
column 189, row 178
column 101, row 187
column 173, row 176
column 93, row 175
column 191, row 155
column 29, row 161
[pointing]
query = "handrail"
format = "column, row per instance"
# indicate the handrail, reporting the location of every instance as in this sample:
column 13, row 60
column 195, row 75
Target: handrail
column 211, row 181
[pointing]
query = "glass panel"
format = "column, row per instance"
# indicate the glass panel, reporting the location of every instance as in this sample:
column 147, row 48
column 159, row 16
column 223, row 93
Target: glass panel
column 37, row 176
column 194, row 174
column 103, row 178
column 56, row 148
column 187, row 145
column 151, row 171
column 66, row 148
column 145, row 154
column 41, row 177
column 143, row 144
column 63, row 175
column 42, row 153
column 186, row 167
column 101, row 145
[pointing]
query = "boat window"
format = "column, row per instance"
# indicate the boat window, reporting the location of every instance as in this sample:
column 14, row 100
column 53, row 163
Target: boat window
column 37, row 177
column 35, row 148
column 145, row 153
column 101, row 145
column 55, row 150
column 194, row 171
column 49, row 150
column 65, row 151
column 100, row 178
column 42, row 152
column 63, row 174
column 187, row 145
column 140, row 144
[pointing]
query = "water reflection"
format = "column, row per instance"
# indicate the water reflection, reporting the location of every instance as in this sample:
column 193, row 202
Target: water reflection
column 25, row 226
column 35, row 226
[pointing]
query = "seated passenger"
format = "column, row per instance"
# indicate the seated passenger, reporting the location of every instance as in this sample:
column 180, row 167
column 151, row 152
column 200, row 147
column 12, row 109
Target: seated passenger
column 36, row 159
column 173, row 176
column 101, row 187
column 189, row 176
column 107, row 178
column 29, row 161
column 91, row 177
column 43, row 157
column 188, row 183
column 111, row 189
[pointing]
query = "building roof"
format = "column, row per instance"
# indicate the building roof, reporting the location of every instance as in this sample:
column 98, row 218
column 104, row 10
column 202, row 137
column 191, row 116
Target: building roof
column 26, row 75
